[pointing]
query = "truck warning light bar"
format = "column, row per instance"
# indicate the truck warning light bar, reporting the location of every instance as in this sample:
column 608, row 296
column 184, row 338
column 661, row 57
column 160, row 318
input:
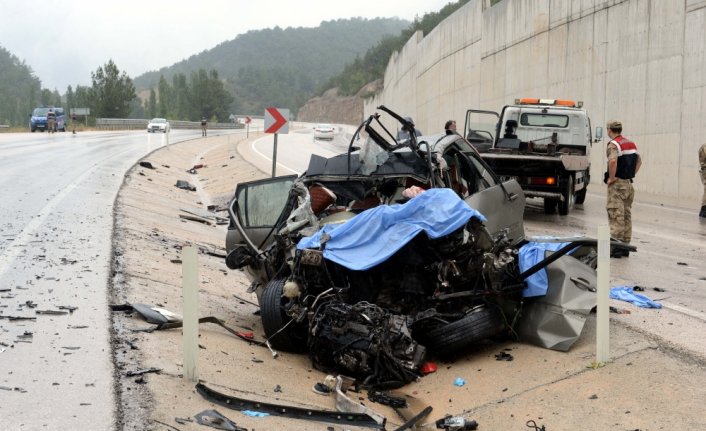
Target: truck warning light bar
column 553, row 102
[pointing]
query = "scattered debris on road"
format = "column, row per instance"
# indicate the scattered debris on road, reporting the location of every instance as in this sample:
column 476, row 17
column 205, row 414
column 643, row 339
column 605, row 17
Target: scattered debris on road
column 185, row 185
column 214, row 419
column 241, row 404
column 142, row 371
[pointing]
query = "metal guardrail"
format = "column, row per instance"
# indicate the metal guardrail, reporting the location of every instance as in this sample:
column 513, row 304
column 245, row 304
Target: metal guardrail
column 138, row 124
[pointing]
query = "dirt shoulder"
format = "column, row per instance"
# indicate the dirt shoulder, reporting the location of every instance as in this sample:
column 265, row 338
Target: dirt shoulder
column 646, row 386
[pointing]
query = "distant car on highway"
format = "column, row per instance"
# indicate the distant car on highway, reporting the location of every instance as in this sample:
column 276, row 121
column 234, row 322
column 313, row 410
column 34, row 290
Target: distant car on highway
column 38, row 119
column 323, row 131
column 158, row 125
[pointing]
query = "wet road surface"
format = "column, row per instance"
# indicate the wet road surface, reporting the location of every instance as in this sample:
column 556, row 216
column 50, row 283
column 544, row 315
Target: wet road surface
column 56, row 220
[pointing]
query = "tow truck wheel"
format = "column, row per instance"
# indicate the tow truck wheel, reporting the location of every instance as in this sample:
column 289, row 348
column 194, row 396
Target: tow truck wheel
column 580, row 196
column 568, row 195
column 293, row 337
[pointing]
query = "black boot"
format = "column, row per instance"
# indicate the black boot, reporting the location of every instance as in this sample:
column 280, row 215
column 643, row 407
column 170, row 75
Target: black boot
column 703, row 211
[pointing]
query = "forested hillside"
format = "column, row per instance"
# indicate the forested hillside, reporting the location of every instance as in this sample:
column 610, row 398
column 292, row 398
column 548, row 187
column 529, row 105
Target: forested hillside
column 372, row 64
column 281, row 67
column 20, row 90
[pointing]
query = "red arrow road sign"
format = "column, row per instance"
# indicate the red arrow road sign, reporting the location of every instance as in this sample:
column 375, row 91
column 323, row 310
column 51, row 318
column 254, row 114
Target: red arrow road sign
column 247, row 119
column 276, row 120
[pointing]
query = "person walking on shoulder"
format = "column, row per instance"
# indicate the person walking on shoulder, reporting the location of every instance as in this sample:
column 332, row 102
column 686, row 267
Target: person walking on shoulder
column 51, row 120
column 203, row 126
column 623, row 163
column 702, row 162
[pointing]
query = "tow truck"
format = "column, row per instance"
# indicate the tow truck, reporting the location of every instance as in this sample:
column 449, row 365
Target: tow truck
column 545, row 144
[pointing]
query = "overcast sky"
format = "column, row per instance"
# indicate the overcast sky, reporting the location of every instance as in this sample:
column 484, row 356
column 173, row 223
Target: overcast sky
column 63, row 41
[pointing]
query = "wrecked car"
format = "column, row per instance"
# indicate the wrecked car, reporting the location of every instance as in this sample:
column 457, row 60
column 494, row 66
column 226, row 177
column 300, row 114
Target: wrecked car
column 375, row 259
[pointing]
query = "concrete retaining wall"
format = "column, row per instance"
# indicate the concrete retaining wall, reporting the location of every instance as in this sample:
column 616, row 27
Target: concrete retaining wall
column 640, row 61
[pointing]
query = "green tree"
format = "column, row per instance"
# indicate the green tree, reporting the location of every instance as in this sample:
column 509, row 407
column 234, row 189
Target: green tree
column 70, row 100
column 151, row 105
column 180, row 102
column 112, row 91
column 165, row 97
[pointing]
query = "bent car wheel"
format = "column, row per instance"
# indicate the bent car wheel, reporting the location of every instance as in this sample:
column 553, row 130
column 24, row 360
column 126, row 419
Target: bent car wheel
column 293, row 337
column 476, row 326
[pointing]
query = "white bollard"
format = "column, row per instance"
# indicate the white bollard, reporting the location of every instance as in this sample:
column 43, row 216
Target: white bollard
column 603, row 293
column 190, row 307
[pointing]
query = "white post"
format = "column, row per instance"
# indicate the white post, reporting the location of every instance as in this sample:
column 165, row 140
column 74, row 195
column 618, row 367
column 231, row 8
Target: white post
column 603, row 293
column 190, row 274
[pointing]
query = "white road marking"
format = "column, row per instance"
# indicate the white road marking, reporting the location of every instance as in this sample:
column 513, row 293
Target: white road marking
column 252, row 146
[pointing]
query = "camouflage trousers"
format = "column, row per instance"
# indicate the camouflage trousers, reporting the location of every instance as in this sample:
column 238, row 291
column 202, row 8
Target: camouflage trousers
column 619, row 206
column 703, row 180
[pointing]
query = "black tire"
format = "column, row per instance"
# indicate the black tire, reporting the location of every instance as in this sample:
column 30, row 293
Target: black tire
column 478, row 325
column 567, row 203
column 549, row 206
column 293, row 338
column 580, row 196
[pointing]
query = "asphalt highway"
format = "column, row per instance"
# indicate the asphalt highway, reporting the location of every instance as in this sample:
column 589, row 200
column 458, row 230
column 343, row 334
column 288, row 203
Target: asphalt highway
column 56, row 220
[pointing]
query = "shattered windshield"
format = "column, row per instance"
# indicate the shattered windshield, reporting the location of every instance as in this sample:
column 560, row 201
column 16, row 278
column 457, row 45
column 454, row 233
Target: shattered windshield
column 378, row 141
column 372, row 156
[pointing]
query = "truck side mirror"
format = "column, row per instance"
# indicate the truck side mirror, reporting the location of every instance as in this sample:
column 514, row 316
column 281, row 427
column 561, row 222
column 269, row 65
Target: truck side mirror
column 599, row 134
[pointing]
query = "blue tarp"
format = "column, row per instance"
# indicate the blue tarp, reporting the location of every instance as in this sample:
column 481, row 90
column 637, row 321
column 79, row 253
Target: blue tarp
column 625, row 293
column 531, row 254
column 372, row 236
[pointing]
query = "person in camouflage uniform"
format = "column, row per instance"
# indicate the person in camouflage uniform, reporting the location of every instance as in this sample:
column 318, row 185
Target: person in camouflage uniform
column 702, row 162
column 623, row 163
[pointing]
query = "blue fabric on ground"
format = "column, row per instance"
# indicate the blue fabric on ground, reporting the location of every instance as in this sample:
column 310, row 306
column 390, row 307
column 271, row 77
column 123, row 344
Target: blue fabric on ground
column 254, row 414
column 531, row 254
column 625, row 293
column 372, row 236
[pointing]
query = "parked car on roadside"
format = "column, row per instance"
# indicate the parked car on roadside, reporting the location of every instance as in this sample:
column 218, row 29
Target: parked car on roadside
column 324, row 131
column 374, row 259
column 158, row 125
column 38, row 119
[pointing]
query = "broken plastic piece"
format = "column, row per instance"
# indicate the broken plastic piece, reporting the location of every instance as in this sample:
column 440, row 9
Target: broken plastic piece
column 214, row 419
column 147, row 165
column 428, row 368
column 459, row 381
column 456, row 423
column 347, row 405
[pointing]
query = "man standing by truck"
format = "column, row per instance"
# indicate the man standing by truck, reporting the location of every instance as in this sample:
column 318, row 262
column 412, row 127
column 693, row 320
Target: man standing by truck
column 623, row 163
